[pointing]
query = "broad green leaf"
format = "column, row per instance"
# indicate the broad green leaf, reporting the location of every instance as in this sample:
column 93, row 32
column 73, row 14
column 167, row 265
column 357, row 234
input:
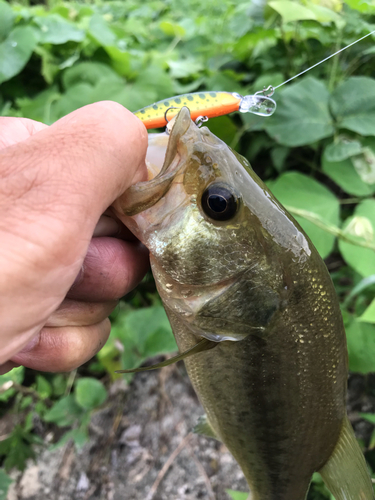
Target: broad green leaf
column 145, row 332
column 292, row 11
column 16, row 375
column 101, row 32
column 365, row 283
column 185, row 67
column 369, row 315
column 120, row 60
column 172, row 29
column 302, row 115
column 297, row 191
column 342, row 149
column 90, row 393
column 56, row 30
column 6, row 22
column 361, row 5
column 324, row 14
column 39, row 108
column 155, row 79
column 43, row 387
column 65, row 412
column 346, row 176
column 79, row 437
column 353, row 104
column 361, row 347
column 361, row 226
column 5, row 482
column 89, row 72
column 75, row 97
column 370, row 417
column 237, row 495
column 15, row 51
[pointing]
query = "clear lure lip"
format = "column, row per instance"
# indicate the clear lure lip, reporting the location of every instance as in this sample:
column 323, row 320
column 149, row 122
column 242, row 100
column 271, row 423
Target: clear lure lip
column 257, row 104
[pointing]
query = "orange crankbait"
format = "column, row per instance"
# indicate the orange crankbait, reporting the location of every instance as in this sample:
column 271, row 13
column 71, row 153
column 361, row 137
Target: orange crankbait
column 205, row 104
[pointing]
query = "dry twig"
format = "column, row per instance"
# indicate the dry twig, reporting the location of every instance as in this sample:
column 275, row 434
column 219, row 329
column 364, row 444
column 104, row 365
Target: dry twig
column 201, row 469
column 166, row 466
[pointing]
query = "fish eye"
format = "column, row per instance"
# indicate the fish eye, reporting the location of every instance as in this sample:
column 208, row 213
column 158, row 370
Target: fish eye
column 219, row 202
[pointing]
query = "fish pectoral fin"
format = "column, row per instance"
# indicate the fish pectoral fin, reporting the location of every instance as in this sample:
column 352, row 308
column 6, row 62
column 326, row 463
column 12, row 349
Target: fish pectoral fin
column 204, row 428
column 345, row 474
column 201, row 346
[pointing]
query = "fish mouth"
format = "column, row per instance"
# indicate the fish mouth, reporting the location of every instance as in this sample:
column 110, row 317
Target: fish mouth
column 144, row 195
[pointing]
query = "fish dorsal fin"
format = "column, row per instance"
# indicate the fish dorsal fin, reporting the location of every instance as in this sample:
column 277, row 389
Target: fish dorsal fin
column 201, row 346
column 345, row 474
column 204, row 428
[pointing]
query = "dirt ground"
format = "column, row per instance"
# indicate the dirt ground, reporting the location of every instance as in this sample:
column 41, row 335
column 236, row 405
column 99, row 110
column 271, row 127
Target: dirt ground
column 141, row 448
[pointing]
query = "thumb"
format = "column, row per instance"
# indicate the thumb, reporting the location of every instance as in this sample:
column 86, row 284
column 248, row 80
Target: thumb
column 54, row 187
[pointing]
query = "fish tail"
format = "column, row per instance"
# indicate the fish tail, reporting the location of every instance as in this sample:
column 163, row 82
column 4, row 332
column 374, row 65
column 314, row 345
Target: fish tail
column 345, row 474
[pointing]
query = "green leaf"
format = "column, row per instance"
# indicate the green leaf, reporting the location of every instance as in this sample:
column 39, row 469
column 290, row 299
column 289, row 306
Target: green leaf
column 39, row 108
column 90, row 393
column 15, row 375
column 184, row 68
column 172, row 29
column 369, row 315
column 353, row 104
column 297, row 191
column 362, row 226
column 370, row 417
column 5, row 482
column 56, row 30
column 65, row 412
column 18, row 448
column 346, row 176
column 89, row 72
column 145, row 332
column 6, row 24
column 302, row 115
column 342, row 149
column 325, row 15
column 359, row 288
column 237, row 495
column 361, row 5
column 292, row 11
column 101, row 32
column 15, row 51
column 43, row 387
column 361, row 347
column 79, row 437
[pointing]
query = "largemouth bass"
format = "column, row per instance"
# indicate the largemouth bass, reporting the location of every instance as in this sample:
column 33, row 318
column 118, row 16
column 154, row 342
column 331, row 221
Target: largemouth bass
column 254, row 314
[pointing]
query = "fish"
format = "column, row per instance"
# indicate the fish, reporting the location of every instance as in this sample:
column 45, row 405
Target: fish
column 254, row 314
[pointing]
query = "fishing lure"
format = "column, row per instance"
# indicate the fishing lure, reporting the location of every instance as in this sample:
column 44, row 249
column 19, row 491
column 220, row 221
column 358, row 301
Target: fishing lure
column 205, row 105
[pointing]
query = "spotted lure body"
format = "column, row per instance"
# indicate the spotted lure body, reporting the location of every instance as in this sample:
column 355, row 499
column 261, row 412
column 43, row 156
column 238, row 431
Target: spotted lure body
column 254, row 313
column 205, row 104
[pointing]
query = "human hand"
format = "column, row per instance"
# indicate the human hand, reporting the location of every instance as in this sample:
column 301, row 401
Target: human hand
column 55, row 184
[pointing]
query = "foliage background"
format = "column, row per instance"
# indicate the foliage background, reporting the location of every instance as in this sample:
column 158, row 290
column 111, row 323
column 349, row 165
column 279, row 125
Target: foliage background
column 317, row 152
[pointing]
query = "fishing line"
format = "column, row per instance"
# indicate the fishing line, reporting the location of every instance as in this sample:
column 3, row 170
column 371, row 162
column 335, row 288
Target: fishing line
column 272, row 89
